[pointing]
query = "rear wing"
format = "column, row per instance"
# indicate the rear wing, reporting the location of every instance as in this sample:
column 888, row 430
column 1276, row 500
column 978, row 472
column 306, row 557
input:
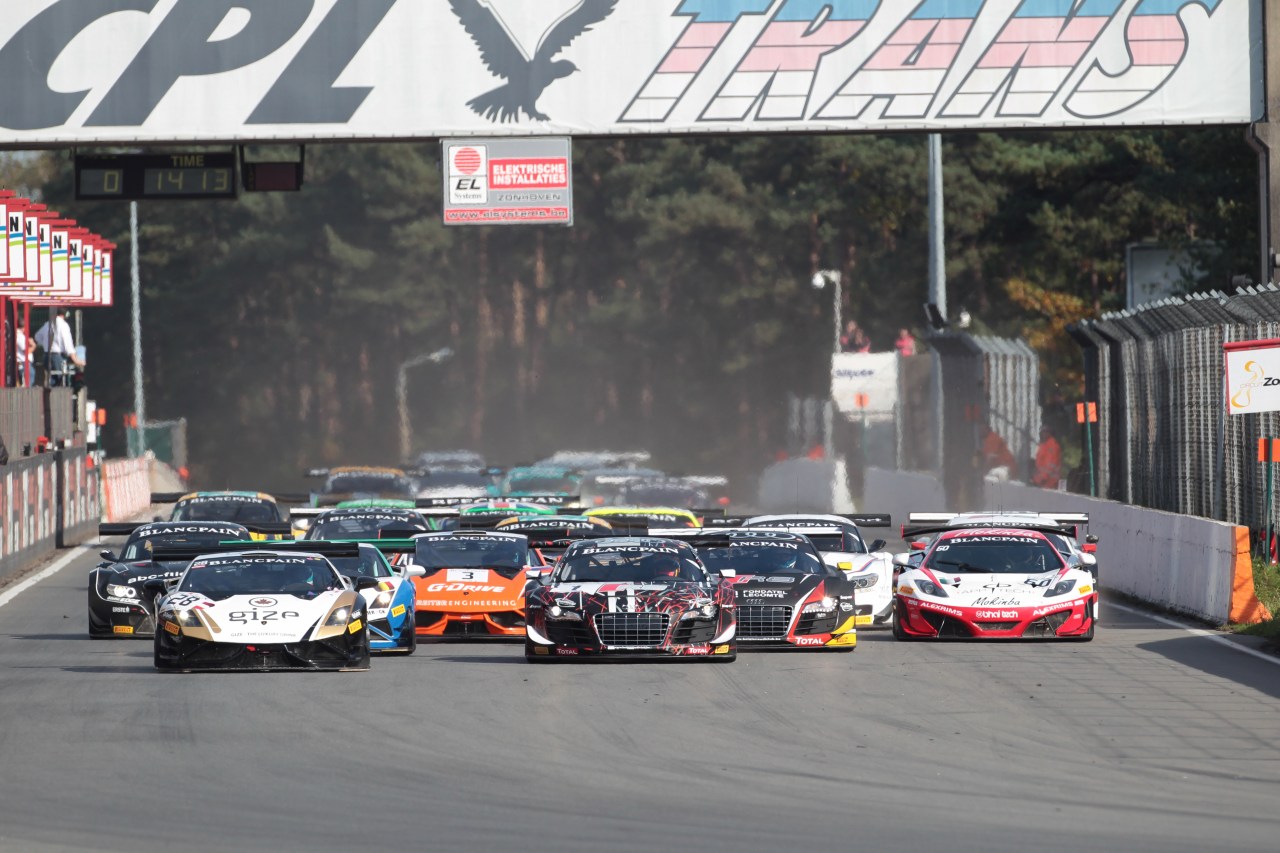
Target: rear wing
column 563, row 539
column 460, row 500
column 1062, row 518
column 307, row 511
column 324, row 549
column 701, row 538
column 912, row 532
column 863, row 519
column 128, row 527
column 167, row 497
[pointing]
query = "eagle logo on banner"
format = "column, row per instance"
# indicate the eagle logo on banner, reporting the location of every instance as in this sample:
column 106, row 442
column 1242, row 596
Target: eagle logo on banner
column 527, row 77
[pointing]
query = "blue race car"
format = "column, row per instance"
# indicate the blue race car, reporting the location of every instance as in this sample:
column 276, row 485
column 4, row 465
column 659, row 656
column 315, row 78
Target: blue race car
column 390, row 603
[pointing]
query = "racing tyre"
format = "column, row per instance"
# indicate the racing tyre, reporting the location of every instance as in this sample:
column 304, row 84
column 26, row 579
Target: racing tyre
column 898, row 632
column 413, row 640
column 1087, row 635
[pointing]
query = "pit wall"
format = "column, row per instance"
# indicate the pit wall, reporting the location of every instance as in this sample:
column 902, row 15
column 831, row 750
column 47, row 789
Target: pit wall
column 1181, row 563
column 126, row 488
column 46, row 501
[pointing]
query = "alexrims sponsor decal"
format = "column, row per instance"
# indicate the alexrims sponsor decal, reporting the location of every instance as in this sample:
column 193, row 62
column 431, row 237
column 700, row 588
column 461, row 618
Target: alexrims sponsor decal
column 942, row 608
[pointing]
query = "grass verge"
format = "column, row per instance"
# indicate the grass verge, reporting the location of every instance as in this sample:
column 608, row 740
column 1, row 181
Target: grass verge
column 1266, row 583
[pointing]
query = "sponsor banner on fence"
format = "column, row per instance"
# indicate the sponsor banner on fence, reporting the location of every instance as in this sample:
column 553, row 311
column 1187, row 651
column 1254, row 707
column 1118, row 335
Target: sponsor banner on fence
column 1252, row 376
column 865, row 383
column 161, row 70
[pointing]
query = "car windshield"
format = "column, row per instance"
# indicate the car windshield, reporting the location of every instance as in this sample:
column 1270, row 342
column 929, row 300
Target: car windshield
column 762, row 558
column 542, row 484
column 368, row 565
column 630, row 564
column 653, row 519
column 387, row 485
column 141, row 549
column 843, row 542
column 439, row 480
column 506, row 556
column 363, row 525
column 663, row 495
column 243, row 510
column 260, row 574
column 1003, row 554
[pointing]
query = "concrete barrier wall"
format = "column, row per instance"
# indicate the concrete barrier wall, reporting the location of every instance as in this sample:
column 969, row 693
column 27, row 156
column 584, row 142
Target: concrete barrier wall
column 901, row 492
column 1179, row 562
column 805, row 485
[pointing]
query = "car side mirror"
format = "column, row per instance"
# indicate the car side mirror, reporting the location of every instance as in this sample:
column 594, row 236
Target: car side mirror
column 918, row 546
column 366, row 582
column 728, row 573
column 903, row 559
column 158, row 518
column 413, row 570
column 537, row 573
column 1088, row 560
column 107, row 555
column 878, row 545
column 155, row 586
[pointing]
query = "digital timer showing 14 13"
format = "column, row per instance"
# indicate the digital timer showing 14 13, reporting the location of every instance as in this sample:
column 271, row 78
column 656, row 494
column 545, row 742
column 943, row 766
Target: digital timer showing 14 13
column 157, row 176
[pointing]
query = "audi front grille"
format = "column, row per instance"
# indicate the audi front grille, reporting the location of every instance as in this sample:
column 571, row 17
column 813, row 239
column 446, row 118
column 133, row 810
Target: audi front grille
column 763, row 621
column 632, row 629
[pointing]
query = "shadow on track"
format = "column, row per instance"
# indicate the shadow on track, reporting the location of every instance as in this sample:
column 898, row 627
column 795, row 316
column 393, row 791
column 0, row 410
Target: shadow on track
column 1212, row 659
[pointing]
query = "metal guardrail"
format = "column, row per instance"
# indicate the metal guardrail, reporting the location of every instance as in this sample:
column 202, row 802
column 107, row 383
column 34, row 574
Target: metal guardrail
column 1164, row 439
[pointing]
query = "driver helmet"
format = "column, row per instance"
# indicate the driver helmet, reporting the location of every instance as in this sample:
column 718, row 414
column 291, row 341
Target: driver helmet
column 664, row 566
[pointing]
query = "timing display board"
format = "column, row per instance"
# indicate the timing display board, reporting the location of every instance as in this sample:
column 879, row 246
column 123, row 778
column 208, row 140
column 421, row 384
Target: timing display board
column 156, row 176
column 157, row 71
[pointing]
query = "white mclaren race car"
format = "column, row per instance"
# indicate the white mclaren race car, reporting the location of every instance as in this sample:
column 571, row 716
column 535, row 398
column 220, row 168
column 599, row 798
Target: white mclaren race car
column 259, row 609
column 1071, row 541
column 992, row 582
column 839, row 540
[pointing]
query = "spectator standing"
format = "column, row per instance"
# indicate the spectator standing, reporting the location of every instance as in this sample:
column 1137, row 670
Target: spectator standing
column 905, row 344
column 1048, row 461
column 60, row 346
column 24, row 358
column 848, row 339
column 996, row 456
column 861, row 343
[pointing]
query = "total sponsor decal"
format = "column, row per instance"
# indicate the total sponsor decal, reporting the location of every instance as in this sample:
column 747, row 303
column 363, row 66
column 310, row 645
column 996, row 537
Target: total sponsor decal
column 698, row 650
column 564, row 651
column 810, row 641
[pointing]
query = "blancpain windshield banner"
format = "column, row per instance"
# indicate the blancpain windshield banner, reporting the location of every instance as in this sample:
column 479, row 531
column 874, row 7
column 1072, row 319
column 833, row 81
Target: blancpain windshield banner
column 218, row 70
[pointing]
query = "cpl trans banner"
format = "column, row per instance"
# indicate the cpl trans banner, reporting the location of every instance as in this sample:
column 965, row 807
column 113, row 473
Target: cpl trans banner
column 129, row 71
column 1252, row 376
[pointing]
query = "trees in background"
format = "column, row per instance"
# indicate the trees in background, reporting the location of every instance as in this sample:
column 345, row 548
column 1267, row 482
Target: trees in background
column 675, row 315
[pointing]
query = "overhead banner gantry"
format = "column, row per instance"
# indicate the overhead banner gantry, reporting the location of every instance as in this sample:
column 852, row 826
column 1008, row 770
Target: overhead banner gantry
column 159, row 71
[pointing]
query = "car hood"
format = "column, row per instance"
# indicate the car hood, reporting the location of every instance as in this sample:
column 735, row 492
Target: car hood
column 268, row 618
column 614, row 597
column 983, row 589
column 773, row 589
column 470, row 591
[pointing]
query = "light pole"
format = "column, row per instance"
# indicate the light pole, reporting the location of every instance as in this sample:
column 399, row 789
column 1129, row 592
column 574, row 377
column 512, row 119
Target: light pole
column 819, row 281
column 402, row 392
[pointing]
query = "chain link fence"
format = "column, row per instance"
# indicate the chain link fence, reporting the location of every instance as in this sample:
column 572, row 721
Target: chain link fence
column 166, row 439
column 1163, row 438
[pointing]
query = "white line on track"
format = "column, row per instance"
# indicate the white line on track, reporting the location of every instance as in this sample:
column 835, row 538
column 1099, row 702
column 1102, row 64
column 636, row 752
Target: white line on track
column 1198, row 632
column 48, row 572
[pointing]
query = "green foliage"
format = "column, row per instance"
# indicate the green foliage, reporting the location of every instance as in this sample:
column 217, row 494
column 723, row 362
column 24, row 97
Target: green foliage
column 675, row 315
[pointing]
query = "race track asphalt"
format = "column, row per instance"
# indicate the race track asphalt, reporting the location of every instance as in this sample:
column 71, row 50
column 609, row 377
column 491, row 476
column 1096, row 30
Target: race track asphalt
column 1147, row 739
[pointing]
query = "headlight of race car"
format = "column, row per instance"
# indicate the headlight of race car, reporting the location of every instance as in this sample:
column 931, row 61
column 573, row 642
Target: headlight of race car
column 339, row 616
column 1062, row 588
column 704, row 611
column 864, row 581
column 555, row 611
column 928, row 587
column 119, row 591
column 825, row 605
column 383, row 599
column 186, row 618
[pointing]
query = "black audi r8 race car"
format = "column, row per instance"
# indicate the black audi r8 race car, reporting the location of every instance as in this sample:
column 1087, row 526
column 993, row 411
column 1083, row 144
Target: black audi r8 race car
column 242, row 608
column 118, row 604
column 630, row 597
column 786, row 595
column 237, row 507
